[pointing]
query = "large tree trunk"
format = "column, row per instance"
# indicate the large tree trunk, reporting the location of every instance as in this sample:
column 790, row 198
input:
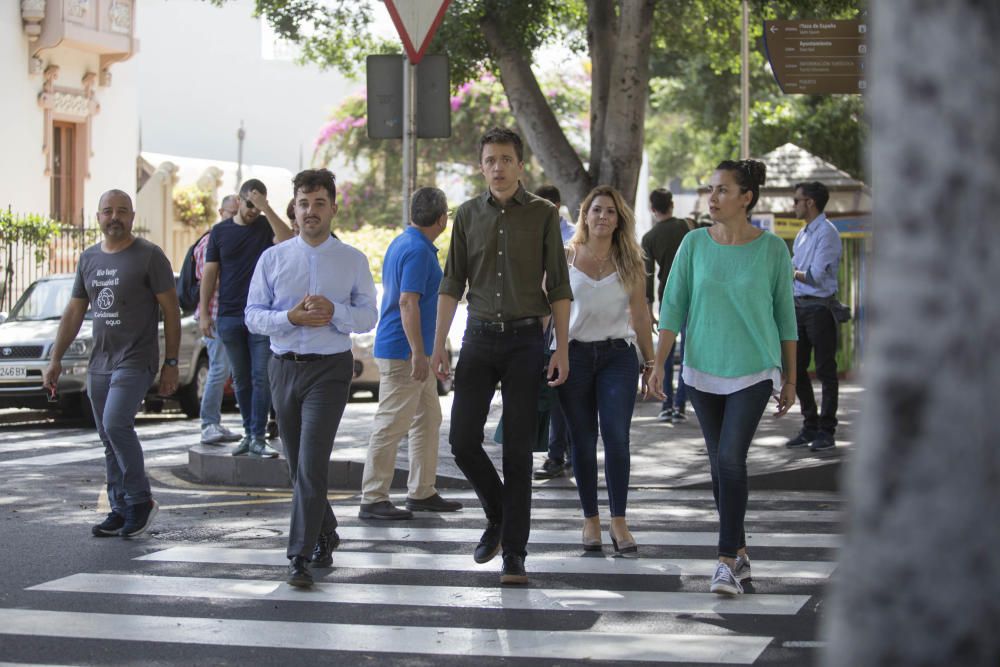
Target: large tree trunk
column 560, row 161
column 624, row 129
column 919, row 580
column 602, row 29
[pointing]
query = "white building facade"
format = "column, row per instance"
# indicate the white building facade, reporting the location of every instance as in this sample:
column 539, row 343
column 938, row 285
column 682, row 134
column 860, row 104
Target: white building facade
column 69, row 109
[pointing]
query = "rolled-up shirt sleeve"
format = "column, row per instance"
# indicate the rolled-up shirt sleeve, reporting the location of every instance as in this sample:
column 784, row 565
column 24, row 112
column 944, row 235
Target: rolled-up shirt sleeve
column 361, row 314
column 557, row 285
column 456, row 274
column 826, row 260
column 261, row 317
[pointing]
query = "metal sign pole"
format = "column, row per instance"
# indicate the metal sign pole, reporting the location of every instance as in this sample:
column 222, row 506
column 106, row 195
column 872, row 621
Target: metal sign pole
column 745, row 86
column 409, row 135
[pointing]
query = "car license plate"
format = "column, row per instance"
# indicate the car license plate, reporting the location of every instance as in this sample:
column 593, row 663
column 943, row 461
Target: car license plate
column 13, row 372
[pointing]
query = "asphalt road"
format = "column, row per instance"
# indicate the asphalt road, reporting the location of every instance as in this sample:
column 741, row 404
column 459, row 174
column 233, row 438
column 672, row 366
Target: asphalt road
column 206, row 585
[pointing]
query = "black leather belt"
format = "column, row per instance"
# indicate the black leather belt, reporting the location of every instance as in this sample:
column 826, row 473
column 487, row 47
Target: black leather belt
column 292, row 356
column 607, row 342
column 502, row 327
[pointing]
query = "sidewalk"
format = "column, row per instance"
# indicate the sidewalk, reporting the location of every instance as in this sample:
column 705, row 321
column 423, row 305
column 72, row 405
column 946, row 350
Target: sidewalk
column 663, row 455
column 673, row 455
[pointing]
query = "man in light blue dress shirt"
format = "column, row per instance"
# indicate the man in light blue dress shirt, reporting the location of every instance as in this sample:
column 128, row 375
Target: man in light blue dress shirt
column 309, row 294
column 816, row 261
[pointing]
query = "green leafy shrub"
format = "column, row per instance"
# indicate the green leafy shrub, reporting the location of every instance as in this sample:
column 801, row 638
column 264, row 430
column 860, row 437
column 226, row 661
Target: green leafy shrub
column 194, row 207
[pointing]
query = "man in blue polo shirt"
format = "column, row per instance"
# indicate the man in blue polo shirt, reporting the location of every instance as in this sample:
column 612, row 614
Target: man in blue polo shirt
column 408, row 400
column 234, row 246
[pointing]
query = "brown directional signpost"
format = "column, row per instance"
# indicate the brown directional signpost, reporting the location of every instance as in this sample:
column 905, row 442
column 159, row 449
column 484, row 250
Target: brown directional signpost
column 818, row 57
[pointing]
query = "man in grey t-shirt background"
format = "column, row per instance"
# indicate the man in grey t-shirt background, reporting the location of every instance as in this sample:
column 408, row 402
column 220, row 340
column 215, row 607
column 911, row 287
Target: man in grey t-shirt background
column 125, row 280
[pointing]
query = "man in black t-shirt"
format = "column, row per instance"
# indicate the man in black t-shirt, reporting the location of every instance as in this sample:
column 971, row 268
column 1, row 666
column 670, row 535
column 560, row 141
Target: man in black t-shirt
column 126, row 280
column 660, row 244
column 234, row 246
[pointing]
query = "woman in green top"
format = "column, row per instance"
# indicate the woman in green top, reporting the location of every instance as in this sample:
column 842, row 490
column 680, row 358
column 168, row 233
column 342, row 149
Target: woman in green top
column 732, row 282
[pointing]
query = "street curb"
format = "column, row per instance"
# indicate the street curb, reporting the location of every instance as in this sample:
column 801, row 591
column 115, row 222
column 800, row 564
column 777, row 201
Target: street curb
column 215, row 465
column 823, row 477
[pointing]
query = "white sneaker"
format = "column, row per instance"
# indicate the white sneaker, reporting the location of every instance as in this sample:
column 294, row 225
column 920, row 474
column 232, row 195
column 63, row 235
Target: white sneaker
column 216, row 434
column 742, row 569
column 724, row 582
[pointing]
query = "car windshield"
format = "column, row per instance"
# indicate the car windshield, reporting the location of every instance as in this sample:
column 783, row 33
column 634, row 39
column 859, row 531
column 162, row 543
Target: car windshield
column 43, row 300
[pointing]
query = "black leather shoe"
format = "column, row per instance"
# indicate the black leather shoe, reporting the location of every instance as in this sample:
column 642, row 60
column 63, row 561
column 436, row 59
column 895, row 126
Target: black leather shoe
column 489, row 544
column 513, row 570
column 801, row 440
column 298, row 572
column 322, row 555
column 433, row 503
column 383, row 510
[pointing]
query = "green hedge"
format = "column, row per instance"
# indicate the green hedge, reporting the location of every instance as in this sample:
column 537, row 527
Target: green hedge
column 373, row 242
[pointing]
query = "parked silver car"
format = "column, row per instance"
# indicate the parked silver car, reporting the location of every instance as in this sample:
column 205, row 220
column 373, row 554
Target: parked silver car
column 26, row 339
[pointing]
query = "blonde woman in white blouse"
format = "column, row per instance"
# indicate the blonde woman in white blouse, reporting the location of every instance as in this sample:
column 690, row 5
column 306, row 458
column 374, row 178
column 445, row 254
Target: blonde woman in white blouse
column 609, row 318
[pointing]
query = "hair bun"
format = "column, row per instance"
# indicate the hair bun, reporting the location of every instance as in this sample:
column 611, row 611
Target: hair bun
column 757, row 171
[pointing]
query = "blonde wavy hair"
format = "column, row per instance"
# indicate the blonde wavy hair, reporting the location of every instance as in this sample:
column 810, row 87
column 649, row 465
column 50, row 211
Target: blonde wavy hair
column 626, row 254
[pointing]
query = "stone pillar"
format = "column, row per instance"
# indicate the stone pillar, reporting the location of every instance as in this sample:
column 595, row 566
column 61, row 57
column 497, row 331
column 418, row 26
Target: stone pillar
column 919, row 579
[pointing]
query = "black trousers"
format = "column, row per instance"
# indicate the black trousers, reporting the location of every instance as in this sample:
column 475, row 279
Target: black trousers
column 309, row 398
column 515, row 359
column 817, row 336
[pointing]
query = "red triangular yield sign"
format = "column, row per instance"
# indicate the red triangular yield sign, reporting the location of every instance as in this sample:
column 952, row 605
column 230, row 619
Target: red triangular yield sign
column 416, row 21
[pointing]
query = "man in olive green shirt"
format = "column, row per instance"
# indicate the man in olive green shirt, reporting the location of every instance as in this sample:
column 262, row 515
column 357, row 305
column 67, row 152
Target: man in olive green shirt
column 504, row 243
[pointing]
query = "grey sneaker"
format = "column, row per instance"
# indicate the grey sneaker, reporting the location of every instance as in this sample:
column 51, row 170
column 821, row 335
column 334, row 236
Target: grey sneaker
column 260, row 449
column 217, row 434
column 724, row 582
column 243, row 448
column 742, row 569
column 823, row 442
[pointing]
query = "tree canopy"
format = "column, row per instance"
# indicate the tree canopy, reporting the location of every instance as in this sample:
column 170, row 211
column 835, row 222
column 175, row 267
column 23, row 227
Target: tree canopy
column 669, row 68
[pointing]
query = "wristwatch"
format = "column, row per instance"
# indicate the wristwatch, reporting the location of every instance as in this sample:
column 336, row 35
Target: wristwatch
column 170, row 361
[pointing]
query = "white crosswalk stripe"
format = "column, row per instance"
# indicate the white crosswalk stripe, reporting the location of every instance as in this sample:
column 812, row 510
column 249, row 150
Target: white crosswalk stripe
column 457, row 604
column 562, row 645
column 607, row 566
column 424, row 596
column 667, row 513
column 548, row 536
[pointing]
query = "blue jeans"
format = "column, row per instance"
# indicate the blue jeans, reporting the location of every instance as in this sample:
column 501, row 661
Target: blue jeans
column 679, row 399
column 116, row 398
column 728, row 423
column 558, row 433
column 248, row 354
column 215, row 382
column 600, row 393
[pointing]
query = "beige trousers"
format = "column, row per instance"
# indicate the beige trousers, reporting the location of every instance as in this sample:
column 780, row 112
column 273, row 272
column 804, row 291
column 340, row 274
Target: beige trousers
column 404, row 406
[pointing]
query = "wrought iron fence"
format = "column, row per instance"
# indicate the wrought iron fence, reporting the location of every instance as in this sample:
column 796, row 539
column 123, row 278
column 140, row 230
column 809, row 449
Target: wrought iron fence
column 24, row 262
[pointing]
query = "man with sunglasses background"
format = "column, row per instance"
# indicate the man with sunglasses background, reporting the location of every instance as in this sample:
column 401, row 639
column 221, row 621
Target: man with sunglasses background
column 234, row 246
column 816, row 261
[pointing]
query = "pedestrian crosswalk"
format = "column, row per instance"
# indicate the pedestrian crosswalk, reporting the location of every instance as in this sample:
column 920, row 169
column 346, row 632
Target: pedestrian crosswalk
column 402, row 591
